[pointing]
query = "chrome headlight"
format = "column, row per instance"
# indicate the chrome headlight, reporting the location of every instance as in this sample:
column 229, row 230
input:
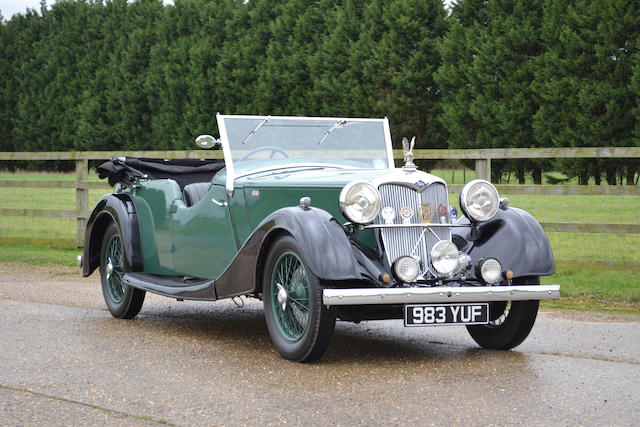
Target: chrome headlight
column 444, row 257
column 360, row 202
column 479, row 200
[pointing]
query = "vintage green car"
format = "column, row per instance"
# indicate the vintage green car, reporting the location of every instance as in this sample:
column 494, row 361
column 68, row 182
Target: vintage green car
column 311, row 216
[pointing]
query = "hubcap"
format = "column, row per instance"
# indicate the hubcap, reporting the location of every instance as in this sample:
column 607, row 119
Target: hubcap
column 290, row 296
column 114, row 270
column 282, row 296
column 109, row 268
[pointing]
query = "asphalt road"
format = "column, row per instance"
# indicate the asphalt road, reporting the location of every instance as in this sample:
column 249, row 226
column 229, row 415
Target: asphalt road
column 65, row 361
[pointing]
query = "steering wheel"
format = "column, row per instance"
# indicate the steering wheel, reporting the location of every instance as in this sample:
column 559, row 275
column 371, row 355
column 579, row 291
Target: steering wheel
column 270, row 148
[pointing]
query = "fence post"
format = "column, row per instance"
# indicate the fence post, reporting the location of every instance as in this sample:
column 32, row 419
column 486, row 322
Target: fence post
column 483, row 169
column 82, row 198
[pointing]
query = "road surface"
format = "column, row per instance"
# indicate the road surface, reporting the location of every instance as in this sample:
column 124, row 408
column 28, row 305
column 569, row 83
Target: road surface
column 65, row 361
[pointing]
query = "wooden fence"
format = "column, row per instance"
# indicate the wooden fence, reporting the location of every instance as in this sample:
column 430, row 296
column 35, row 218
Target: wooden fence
column 482, row 159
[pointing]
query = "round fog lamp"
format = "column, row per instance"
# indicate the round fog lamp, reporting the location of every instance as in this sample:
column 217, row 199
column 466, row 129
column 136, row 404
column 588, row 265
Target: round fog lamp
column 490, row 270
column 444, row 257
column 406, row 269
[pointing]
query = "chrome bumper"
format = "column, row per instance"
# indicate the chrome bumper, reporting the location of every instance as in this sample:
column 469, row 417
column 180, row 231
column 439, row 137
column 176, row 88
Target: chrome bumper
column 361, row 296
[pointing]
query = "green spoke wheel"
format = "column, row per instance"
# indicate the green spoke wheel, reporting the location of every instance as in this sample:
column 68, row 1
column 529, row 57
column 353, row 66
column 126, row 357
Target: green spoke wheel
column 290, row 296
column 299, row 324
column 114, row 269
column 123, row 301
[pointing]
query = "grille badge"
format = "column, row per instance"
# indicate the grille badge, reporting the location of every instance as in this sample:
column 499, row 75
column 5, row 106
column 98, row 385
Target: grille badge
column 388, row 214
column 406, row 213
column 420, row 183
column 453, row 212
column 426, row 212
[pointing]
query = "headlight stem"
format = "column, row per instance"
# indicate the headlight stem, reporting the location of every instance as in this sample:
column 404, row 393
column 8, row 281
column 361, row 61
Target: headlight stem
column 474, row 233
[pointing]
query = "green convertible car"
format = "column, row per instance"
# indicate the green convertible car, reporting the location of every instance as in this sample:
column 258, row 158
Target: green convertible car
column 311, row 216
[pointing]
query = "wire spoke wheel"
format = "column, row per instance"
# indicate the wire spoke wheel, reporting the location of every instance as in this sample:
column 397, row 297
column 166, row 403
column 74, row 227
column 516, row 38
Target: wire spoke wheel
column 299, row 324
column 115, row 269
column 123, row 301
column 290, row 296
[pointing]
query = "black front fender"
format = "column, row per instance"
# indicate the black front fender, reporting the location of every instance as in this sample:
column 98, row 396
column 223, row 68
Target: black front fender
column 323, row 242
column 514, row 238
column 118, row 208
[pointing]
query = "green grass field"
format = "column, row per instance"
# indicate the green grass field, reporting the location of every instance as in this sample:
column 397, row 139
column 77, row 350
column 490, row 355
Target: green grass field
column 617, row 291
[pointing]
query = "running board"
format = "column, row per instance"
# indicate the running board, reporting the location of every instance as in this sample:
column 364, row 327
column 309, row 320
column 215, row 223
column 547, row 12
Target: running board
column 202, row 290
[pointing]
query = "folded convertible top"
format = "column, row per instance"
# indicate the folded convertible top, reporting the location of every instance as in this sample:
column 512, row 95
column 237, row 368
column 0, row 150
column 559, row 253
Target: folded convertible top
column 183, row 171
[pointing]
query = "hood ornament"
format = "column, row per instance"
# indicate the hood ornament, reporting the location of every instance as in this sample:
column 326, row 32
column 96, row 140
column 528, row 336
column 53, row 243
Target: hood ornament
column 407, row 147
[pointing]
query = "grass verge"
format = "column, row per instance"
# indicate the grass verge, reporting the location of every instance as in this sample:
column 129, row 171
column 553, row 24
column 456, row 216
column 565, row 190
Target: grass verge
column 38, row 255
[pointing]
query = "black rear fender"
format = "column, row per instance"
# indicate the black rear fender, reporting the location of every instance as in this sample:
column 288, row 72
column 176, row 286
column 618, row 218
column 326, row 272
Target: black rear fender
column 118, row 208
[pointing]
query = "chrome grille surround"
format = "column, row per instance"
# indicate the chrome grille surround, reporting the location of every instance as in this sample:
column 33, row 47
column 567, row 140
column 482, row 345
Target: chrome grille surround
column 414, row 241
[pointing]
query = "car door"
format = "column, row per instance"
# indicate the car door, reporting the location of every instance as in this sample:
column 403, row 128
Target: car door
column 155, row 201
column 203, row 235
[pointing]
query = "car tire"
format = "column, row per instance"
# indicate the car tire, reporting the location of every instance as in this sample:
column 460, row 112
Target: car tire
column 299, row 324
column 123, row 301
column 509, row 322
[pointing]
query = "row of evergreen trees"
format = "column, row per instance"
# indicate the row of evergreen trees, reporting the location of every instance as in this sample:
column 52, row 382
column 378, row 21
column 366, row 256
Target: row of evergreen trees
column 118, row 75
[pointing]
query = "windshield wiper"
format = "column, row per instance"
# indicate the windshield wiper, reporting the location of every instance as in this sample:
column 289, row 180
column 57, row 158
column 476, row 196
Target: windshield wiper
column 333, row 127
column 265, row 120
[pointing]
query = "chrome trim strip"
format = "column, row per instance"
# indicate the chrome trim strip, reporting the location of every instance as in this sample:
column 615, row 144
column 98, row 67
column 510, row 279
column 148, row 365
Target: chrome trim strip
column 226, row 152
column 387, row 137
column 441, row 294
column 251, row 116
column 399, row 176
column 413, row 225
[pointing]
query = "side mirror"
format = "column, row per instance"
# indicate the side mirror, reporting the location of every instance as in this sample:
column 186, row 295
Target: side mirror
column 207, row 141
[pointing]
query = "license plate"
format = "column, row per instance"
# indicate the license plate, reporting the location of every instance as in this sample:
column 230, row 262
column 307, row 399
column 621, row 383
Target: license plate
column 446, row 314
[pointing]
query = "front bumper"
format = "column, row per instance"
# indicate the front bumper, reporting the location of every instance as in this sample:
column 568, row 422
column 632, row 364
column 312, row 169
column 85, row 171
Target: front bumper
column 442, row 294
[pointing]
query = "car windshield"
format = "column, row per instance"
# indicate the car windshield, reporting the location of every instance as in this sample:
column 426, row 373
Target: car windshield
column 359, row 143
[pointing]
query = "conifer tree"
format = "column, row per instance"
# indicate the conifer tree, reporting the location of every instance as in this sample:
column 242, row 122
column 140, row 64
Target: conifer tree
column 285, row 82
column 633, row 167
column 583, row 81
column 404, row 60
column 337, row 67
column 489, row 65
column 248, row 34
column 7, row 100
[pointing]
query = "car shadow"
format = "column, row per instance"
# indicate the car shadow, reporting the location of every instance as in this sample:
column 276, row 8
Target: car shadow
column 244, row 329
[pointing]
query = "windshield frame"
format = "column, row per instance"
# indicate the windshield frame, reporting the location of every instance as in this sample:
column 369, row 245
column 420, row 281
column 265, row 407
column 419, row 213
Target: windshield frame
column 228, row 159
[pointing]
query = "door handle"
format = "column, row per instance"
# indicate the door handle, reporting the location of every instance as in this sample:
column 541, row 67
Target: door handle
column 221, row 204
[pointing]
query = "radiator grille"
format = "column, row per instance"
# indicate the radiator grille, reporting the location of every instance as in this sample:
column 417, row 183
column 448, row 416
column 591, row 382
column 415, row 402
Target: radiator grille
column 426, row 207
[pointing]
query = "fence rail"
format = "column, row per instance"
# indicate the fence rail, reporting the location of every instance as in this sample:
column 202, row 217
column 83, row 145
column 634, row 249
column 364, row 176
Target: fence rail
column 482, row 159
